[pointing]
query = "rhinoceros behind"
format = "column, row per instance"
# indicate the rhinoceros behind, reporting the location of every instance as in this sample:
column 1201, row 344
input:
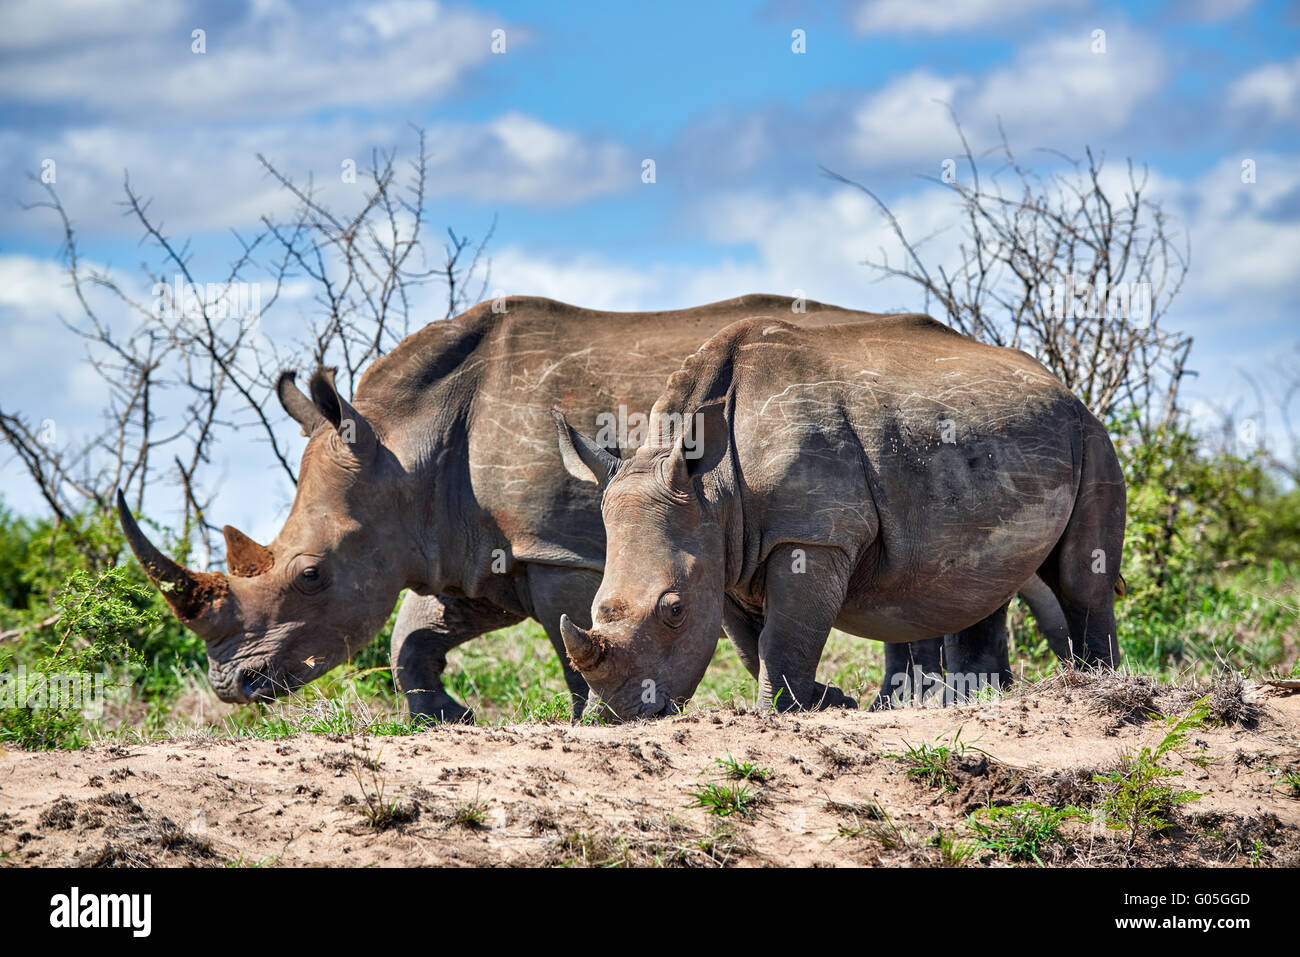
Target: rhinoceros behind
column 893, row 479
column 443, row 479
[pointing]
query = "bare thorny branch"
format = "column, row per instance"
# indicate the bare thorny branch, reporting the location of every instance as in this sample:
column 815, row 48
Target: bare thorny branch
column 1021, row 245
column 183, row 372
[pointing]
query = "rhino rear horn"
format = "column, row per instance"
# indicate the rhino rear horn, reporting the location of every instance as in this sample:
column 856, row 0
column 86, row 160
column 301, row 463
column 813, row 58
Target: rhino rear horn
column 244, row 557
column 299, row 407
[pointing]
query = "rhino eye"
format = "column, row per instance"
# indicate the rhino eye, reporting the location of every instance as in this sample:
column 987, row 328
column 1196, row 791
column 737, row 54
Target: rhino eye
column 671, row 609
column 310, row 579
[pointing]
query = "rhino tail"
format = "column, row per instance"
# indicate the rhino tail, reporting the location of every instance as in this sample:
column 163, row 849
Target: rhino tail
column 1121, row 586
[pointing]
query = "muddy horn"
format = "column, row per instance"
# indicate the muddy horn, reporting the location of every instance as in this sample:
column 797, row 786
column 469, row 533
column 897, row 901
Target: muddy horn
column 584, row 647
column 192, row 595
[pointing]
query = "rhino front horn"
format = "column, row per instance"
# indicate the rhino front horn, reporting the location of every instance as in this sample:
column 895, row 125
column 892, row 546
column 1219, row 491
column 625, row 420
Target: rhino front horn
column 584, row 648
column 192, row 595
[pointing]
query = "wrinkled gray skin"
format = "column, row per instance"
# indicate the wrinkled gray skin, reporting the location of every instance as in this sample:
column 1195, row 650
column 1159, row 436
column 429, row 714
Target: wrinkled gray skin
column 893, row 479
column 443, row 479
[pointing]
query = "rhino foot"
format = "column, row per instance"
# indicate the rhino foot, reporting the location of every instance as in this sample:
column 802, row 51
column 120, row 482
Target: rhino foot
column 432, row 708
column 829, row 697
column 821, row 698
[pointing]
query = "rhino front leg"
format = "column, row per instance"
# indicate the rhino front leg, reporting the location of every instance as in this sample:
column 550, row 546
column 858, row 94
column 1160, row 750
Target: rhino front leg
column 427, row 628
column 799, row 608
column 743, row 630
column 554, row 590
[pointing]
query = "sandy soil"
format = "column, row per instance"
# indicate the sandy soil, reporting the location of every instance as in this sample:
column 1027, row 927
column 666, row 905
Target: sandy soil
column 546, row 794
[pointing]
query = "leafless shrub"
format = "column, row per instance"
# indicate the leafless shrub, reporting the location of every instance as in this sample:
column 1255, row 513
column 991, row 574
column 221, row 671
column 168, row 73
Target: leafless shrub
column 184, row 369
column 1027, row 239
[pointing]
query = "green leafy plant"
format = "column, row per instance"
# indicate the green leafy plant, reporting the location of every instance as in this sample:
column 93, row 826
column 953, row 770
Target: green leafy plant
column 1140, row 796
column 97, row 617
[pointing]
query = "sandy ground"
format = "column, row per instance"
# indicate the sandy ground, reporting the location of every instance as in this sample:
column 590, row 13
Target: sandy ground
column 549, row 794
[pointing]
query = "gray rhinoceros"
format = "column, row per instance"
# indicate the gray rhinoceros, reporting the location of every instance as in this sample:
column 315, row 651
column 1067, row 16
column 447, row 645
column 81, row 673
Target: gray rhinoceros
column 439, row 479
column 892, row 478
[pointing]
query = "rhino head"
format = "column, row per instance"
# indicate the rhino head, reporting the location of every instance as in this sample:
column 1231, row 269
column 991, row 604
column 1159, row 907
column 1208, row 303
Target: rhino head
column 287, row 612
column 658, row 613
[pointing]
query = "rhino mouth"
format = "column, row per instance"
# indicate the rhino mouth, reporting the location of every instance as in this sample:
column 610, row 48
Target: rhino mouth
column 245, row 684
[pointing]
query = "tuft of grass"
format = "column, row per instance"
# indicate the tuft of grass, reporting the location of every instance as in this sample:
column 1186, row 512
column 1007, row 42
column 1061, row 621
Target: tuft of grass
column 870, row 821
column 1289, row 781
column 471, row 815
column 1020, row 832
column 737, row 770
column 933, row 763
column 953, row 850
column 725, row 800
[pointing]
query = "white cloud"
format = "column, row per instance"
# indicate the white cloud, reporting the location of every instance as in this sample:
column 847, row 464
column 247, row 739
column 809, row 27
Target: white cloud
column 274, row 59
column 74, row 23
column 1273, row 88
column 1244, row 235
column 907, row 119
column 511, row 159
column 1062, row 86
column 1055, row 91
column 910, row 16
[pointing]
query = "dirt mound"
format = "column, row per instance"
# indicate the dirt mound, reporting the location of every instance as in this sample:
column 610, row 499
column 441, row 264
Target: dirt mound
column 1045, row 774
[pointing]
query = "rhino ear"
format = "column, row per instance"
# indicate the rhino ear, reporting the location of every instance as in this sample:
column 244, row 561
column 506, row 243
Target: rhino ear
column 701, row 444
column 298, row 406
column 352, row 428
column 583, row 459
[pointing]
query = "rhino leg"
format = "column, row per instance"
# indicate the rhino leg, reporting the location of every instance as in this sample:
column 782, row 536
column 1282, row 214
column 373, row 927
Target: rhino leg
column 427, row 628
column 553, row 590
column 978, row 657
column 743, row 630
column 1083, row 569
column 800, row 609
column 1047, row 614
column 905, row 663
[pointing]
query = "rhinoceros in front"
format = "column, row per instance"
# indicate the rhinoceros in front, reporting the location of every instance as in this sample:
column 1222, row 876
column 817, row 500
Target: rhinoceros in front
column 895, row 480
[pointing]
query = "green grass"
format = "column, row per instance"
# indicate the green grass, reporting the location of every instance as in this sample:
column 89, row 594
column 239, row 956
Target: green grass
column 725, row 800
column 1019, row 832
column 743, row 770
column 932, row 763
column 513, row 675
column 470, row 814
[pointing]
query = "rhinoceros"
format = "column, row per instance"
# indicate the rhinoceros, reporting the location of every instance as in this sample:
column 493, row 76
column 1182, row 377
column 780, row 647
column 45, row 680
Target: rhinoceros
column 894, row 479
column 436, row 479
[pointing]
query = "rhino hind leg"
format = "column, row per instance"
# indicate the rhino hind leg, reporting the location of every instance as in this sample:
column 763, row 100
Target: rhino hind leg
column 427, row 628
column 978, row 657
column 1083, row 569
column 910, row 668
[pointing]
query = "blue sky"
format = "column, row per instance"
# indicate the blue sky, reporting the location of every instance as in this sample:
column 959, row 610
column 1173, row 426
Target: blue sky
column 549, row 137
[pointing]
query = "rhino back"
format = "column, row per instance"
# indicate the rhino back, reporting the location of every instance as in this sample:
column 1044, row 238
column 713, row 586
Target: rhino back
column 467, row 400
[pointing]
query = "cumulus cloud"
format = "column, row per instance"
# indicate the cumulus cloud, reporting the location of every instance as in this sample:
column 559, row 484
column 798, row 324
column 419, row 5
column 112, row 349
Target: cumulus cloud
column 1054, row 91
column 1273, row 89
column 272, row 58
column 908, row 16
column 509, row 159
